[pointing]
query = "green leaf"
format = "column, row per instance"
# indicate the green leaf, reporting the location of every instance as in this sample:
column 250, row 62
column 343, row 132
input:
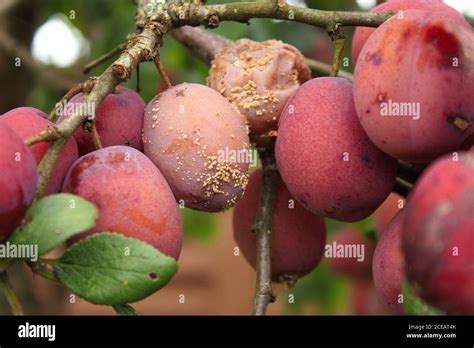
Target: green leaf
column 54, row 219
column 414, row 305
column 111, row 269
column 126, row 310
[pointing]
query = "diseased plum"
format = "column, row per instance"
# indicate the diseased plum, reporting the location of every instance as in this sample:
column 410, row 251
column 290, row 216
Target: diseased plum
column 361, row 34
column 258, row 78
column 200, row 144
column 413, row 85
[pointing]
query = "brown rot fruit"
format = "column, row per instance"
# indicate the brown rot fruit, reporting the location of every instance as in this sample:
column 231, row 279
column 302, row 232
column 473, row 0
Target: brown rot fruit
column 258, row 78
column 200, row 144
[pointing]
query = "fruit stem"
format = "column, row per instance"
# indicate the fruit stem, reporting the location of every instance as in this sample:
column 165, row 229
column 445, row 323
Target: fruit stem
column 263, row 230
column 96, row 137
column 161, row 70
column 337, row 36
column 10, row 295
column 402, row 187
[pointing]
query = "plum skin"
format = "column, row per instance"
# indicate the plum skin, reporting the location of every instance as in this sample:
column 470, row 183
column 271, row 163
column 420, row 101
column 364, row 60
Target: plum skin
column 132, row 197
column 18, row 180
column 388, row 264
column 28, row 121
column 298, row 237
column 411, row 62
column 438, row 234
column 313, row 163
column 187, row 131
column 118, row 119
column 386, row 212
column 361, row 34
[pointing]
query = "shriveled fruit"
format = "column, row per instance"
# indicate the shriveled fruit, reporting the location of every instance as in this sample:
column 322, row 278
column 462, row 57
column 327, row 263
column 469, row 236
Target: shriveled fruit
column 298, row 236
column 132, row 196
column 200, row 144
column 258, row 78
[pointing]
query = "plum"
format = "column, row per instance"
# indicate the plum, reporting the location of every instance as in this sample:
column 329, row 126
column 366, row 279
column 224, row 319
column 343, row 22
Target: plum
column 258, row 78
column 200, row 144
column 298, row 237
column 118, row 119
column 413, row 84
column 438, row 234
column 28, row 121
column 361, row 34
column 17, row 182
column 325, row 159
column 132, row 196
column 388, row 264
column 387, row 210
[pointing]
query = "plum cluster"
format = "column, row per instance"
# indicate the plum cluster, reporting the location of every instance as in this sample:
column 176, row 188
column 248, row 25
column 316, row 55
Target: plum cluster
column 337, row 146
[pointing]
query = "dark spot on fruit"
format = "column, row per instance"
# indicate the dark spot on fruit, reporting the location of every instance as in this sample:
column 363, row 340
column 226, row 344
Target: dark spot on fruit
column 367, row 111
column 303, row 200
column 180, row 93
column 365, row 158
column 123, row 103
column 374, row 58
column 381, row 98
column 153, row 276
column 446, row 44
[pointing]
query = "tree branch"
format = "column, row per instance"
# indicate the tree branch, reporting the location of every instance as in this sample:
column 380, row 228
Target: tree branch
column 141, row 48
column 263, row 231
column 211, row 15
column 201, row 42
